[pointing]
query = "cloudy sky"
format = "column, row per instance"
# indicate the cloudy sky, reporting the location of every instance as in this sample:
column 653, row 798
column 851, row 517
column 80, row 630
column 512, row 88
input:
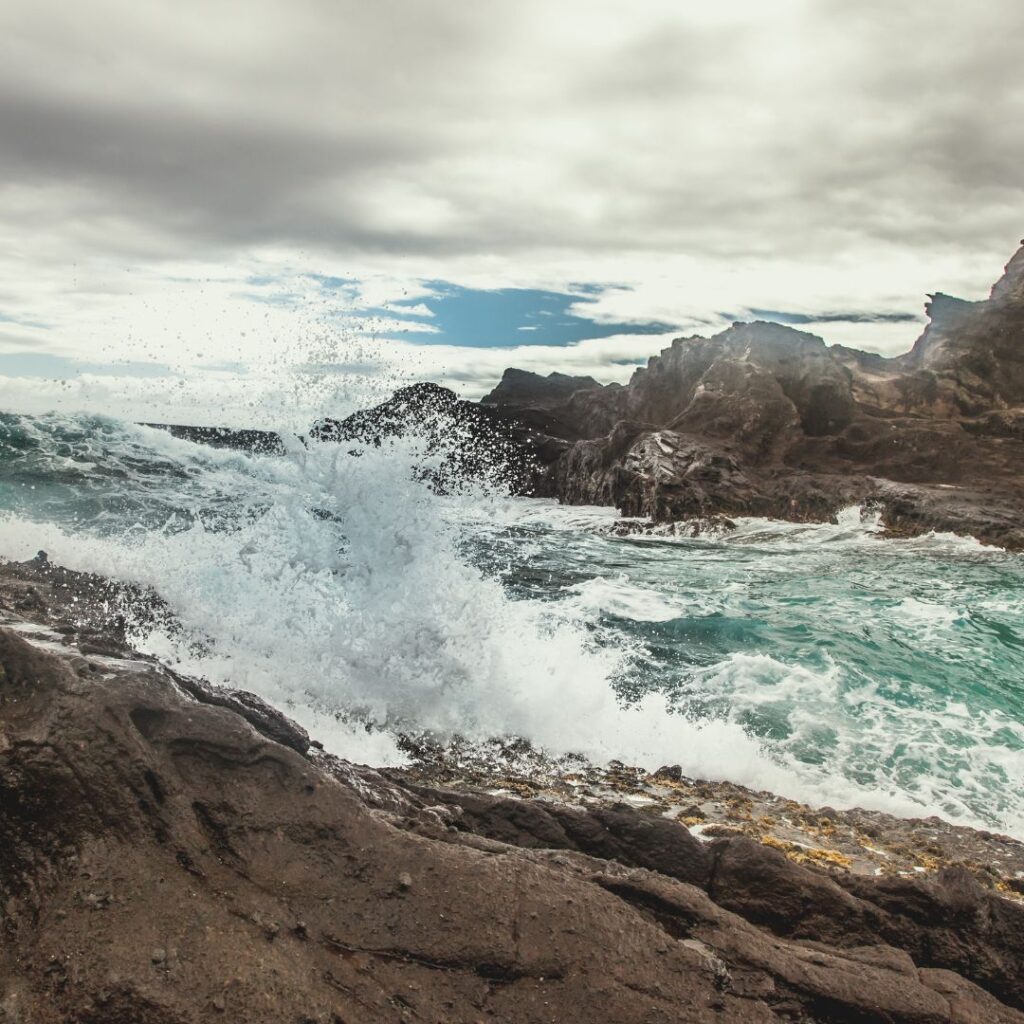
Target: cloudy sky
column 198, row 198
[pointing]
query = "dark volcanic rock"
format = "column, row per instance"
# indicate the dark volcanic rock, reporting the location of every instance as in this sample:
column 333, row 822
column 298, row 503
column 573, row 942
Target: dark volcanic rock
column 259, row 442
column 166, row 859
column 617, row 834
column 975, row 350
column 766, row 420
column 471, row 441
column 557, row 405
column 658, row 473
column 530, row 389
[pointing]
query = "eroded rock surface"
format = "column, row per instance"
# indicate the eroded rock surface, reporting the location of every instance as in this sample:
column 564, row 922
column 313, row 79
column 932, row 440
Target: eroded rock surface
column 759, row 420
column 766, row 420
column 168, row 854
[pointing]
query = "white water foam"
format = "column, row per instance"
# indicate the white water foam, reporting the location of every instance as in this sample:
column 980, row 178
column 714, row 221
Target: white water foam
column 349, row 602
column 617, row 596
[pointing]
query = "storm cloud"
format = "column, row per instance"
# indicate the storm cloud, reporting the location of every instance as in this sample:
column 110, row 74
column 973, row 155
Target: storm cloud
column 804, row 155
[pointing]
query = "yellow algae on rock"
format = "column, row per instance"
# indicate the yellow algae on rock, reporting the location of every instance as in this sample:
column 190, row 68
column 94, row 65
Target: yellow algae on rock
column 809, row 854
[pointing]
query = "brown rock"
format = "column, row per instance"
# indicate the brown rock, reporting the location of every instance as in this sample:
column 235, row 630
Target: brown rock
column 766, row 420
column 210, row 831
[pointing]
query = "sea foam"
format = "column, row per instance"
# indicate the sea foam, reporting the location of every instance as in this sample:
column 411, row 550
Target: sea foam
column 335, row 583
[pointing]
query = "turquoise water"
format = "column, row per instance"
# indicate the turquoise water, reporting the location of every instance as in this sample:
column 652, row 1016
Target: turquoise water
column 820, row 661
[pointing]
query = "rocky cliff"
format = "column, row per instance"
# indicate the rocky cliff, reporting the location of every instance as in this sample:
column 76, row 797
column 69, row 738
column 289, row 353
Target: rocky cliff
column 760, row 419
column 171, row 853
column 763, row 419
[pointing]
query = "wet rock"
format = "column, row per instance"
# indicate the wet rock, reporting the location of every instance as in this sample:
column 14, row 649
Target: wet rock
column 766, row 420
column 263, row 717
column 259, row 442
column 215, row 831
column 472, row 441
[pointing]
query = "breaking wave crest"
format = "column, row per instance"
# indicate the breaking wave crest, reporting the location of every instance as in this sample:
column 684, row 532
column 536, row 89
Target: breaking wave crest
column 334, row 582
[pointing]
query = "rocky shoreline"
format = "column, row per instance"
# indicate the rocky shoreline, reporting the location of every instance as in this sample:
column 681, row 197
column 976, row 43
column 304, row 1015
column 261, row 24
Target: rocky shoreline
column 854, row 841
column 172, row 852
column 759, row 420
column 765, row 420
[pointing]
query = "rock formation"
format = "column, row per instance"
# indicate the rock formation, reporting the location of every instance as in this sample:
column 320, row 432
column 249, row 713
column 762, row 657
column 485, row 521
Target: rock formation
column 760, row 419
column 763, row 419
column 468, row 440
column 173, row 854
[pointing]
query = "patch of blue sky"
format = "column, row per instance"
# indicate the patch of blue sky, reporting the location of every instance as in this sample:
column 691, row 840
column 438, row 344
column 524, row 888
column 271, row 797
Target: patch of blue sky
column 348, row 285
column 508, row 317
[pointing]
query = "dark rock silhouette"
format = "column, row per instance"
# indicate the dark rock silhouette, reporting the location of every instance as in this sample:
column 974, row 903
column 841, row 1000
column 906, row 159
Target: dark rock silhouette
column 259, row 442
column 470, row 441
column 763, row 419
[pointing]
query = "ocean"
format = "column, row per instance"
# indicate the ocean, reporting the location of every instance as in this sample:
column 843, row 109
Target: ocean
column 821, row 662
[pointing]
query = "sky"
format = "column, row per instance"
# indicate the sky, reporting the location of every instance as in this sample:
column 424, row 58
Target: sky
column 210, row 209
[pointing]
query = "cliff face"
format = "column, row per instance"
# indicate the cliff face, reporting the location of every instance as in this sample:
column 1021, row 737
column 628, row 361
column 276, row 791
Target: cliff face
column 763, row 419
column 760, row 419
column 171, row 853
column 976, row 349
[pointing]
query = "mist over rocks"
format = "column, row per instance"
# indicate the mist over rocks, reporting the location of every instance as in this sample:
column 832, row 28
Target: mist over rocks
column 763, row 419
column 466, row 439
column 758, row 420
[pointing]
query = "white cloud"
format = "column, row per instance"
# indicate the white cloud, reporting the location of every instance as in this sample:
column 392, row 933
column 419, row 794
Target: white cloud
column 173, row 183
column 417, row 310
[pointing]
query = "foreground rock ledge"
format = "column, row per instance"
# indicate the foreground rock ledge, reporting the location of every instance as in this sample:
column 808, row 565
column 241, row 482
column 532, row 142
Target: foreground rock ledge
column 170, row 853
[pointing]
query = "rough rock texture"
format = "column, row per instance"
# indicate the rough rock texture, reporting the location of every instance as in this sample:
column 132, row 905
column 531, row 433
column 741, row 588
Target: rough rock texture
column 468, row 440
column 763, row 419
column 851, row 841
column 165, row 858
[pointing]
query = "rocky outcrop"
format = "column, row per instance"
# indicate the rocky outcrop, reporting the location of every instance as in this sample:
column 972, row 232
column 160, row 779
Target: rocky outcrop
column 167, row 856
column 760, row 419
column 468, row 440
column 763, row 419
column 259, row 442
column 560, row 406
column 973, row 351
